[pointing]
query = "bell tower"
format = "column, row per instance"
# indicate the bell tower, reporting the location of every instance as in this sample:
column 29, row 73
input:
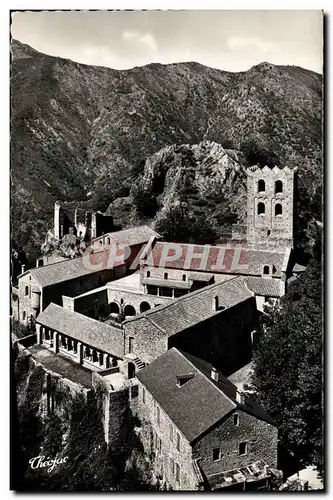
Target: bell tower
column 270, row 207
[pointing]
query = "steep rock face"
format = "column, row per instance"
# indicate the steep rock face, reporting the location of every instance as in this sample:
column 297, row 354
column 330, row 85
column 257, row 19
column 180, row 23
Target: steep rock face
column 77, row 129
column 194, row 174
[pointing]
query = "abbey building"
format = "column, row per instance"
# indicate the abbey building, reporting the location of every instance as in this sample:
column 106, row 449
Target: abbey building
column 170, row 324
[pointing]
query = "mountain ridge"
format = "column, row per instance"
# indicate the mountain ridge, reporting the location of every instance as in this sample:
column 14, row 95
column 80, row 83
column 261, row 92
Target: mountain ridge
column 77, row 128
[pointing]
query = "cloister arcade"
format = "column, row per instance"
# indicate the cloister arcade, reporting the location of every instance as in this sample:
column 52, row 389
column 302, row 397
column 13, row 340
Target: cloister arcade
column 81, row 352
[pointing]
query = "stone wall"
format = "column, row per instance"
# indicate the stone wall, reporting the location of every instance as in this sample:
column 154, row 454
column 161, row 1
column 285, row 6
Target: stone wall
column 75, row 287
column 136, row 300
column 224, row 339
column 146, row 412
column 27, row 284
column 267, row 229
column 148, row 341
column 260, row 436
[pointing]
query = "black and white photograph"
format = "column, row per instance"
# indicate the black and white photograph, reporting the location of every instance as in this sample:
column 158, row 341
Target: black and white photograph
column 167, row 251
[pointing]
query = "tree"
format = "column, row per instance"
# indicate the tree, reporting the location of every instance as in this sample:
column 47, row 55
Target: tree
column 174, row 224
column 257, row 154
column 288, row 371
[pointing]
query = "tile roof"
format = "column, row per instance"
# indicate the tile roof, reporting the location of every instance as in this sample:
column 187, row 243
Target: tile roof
column 66, row 270
column 199, row 397
column 221, row 258
column 196, row 307
column 267, row 287
column 131, row 236
column 79, row 327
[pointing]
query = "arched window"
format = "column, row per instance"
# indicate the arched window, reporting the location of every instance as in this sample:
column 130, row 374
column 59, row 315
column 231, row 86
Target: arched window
column 26, row 291
column 108, row 241
column 278, row 209
column 114, row 309
column 261, row 208
column 144, row 306
column 261, row 186
column 129, row 310
column 278, row 187
column 100, row 243
column 266, row 269
column 148, row 274
column 184, row 277
column 165, row 276
column 24, row 315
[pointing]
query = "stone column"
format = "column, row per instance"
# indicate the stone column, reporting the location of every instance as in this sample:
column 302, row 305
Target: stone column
column 39, row 331
column 56, row 340
column 80, row 352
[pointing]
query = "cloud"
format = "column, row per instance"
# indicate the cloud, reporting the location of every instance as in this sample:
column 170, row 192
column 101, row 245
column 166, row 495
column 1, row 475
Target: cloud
column 238, row 42
column 146, row 40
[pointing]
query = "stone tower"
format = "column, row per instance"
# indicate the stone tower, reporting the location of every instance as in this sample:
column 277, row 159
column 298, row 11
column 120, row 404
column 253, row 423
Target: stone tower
column 270, row 207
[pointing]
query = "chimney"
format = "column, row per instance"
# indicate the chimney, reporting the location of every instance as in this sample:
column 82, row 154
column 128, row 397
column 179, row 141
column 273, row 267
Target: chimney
column 240, row 397
column 214, row 375
column 215, row 303
column 22, row 268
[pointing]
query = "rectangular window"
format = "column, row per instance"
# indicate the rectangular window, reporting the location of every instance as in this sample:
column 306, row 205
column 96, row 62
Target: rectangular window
column 130, row 344
column 178, row 441
column 158, row 415
column 243, row 448
column 171, row 432
column 177, row 473
column 134, row 391
column 236, row 419
column 158, row 444
column 143, row 395
column 216, row 454
column 172, row 466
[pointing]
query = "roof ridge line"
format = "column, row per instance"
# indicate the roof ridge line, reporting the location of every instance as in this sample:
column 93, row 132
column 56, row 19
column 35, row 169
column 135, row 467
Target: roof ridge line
column 209, row 379
column 184, row 297
column 79, row 314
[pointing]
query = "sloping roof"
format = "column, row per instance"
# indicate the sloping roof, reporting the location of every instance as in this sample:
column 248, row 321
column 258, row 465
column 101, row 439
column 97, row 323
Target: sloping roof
column 298, row 268
column 66, row 270
column 267, row 287
column 196, row 307
column 131, row 236
column 221, row 258
column 79, row 327
column 199, row 403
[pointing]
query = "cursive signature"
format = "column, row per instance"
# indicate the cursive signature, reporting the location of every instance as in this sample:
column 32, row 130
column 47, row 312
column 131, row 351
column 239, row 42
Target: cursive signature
column 40, row 462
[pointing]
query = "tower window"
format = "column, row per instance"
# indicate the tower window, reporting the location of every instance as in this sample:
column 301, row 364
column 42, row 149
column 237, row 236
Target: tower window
column 108, row 241
column 184, row 277
column 278, row 209
column 266, row 269
column 24, row 315
column 26, row 291
column 165, row 276
column 236, row 419
column 148, row 274
column 243, row 448
column 268, row 232
column 261, row 208
column 261, row 186
column 278, row 187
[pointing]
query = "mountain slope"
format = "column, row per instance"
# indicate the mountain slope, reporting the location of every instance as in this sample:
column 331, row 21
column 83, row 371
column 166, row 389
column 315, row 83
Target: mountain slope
column 77, row 129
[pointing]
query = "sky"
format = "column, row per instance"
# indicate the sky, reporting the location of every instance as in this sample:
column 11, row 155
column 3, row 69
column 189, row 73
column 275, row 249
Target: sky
column 228, row 40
